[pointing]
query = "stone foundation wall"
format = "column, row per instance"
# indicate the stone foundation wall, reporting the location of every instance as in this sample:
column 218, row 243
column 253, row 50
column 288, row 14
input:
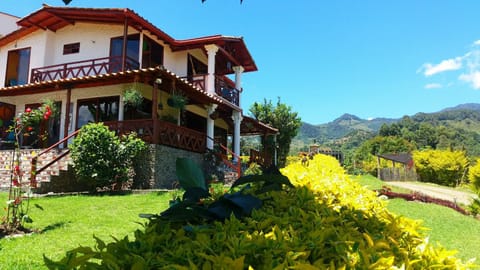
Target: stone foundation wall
column 156, row 167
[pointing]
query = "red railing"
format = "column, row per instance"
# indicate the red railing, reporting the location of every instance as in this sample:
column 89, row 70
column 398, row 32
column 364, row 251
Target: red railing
column 143, row 128
column 91, row 67
column 198, row 81
column 236, row 166
column 224, row 87
column 168, row 133
column 34, row 171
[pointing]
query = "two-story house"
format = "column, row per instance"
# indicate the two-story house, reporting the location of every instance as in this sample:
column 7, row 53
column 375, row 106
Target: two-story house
column 86, row 59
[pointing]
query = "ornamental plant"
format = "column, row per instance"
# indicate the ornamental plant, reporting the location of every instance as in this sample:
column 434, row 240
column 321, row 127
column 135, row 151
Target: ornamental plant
column 442, row 167
column 102, row 159
column 20, row 187
column 324, row 221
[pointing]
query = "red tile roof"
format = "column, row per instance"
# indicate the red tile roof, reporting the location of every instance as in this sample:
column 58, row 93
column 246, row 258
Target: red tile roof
column 55, row 18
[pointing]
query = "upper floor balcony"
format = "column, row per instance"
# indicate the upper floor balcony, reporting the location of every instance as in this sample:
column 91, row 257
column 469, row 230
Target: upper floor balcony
column 224, row 87
column 91, row 67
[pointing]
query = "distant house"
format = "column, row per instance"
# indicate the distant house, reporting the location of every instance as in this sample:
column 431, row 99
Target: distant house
column 85, row 59
column 402, row 167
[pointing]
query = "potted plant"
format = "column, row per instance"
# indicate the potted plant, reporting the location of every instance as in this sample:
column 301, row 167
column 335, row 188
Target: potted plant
column 132, row 98
column 177, row 100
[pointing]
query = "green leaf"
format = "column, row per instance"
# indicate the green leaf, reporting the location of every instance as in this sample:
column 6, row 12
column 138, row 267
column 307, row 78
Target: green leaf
column 100, row 244
column 195, row 194
column 189, row 174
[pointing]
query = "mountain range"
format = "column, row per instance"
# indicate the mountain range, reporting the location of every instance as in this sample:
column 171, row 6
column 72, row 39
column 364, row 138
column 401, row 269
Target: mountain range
column 348, row 126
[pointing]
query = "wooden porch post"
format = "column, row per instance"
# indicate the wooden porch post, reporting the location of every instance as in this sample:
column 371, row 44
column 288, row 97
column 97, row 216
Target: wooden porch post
column 124, row 45
column 156, row 135
column 378, row 167
column 67, row 116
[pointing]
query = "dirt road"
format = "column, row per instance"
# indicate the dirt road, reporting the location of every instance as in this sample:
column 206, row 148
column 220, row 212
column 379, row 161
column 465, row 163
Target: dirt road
column 437, row 191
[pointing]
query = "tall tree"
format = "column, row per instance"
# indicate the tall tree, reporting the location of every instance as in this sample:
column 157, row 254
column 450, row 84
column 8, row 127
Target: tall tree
column 281, row 117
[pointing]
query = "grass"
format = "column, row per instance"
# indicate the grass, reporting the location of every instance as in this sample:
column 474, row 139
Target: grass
column 71, row 221
column 445, row 226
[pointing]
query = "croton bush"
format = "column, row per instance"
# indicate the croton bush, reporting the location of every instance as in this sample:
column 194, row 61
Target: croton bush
column 323, row 221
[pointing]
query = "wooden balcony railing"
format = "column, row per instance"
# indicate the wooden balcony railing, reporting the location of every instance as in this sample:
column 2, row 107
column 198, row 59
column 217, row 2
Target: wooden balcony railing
column 224, row 87
column 168, row 134
column 91, row 67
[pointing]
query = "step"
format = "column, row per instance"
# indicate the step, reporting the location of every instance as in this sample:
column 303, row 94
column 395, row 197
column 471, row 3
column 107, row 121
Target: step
column 25, row 163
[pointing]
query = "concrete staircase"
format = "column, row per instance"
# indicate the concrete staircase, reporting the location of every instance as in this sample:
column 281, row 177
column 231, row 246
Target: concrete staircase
column 25, row 165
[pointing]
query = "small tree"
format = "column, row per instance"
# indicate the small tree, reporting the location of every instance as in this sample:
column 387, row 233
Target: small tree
column 103, row 159
column 281, row 117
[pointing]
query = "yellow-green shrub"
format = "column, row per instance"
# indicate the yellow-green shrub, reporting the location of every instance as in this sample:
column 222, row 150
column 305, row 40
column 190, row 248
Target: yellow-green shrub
column 443, row 167
column 474, row 175
column 326, row 221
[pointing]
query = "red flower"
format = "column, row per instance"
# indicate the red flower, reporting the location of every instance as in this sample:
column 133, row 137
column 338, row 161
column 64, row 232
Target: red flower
column 29, row 129
column 45, row 117
column 28, row 110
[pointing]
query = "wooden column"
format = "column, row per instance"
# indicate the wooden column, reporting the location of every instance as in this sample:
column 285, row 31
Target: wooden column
column 124, row 45
column 156, row 135
column 67, row 115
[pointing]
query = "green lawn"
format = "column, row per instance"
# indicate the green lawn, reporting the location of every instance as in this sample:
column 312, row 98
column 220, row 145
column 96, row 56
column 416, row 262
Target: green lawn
column 70, row 221
column 446, row 226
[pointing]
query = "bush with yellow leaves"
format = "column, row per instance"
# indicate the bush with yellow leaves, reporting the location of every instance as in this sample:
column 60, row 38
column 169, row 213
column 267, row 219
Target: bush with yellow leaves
column 326, row 221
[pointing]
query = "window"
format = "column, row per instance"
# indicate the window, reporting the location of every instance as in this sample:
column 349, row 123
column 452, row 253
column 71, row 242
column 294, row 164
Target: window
column 94, row 110
column 71, row 48
column 116, row 48
column 195, row 66
column 18, row 64
column 152, row 53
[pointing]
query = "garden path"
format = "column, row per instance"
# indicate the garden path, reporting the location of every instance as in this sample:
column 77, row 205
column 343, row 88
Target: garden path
column 435, row 191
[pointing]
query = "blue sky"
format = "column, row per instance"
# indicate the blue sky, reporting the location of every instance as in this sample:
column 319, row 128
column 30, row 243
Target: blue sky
column 371, row 58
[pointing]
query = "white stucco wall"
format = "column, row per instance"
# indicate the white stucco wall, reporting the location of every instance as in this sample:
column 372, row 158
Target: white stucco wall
column 8, row 23
column 47, row 47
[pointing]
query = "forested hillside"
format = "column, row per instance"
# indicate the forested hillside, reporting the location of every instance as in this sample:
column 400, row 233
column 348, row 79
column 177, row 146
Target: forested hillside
column 457, row 127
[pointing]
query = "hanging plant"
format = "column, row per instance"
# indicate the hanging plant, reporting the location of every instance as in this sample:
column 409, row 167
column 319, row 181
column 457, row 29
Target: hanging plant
column 132, row 97
column 177, row 100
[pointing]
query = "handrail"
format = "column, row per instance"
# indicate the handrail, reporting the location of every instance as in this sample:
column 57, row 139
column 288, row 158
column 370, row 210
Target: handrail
column 87, row 67
column 237, row 167
column 34, row 171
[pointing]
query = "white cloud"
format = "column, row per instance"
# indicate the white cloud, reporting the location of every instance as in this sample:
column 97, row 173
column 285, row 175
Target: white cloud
column 433, row 86
column 473, row 78
column 445, row 65
column 476, row 43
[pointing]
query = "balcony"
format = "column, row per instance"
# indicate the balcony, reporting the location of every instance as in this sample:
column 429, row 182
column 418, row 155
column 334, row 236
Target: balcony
column 224, row 87
column 91, row 67
column 163, row 133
